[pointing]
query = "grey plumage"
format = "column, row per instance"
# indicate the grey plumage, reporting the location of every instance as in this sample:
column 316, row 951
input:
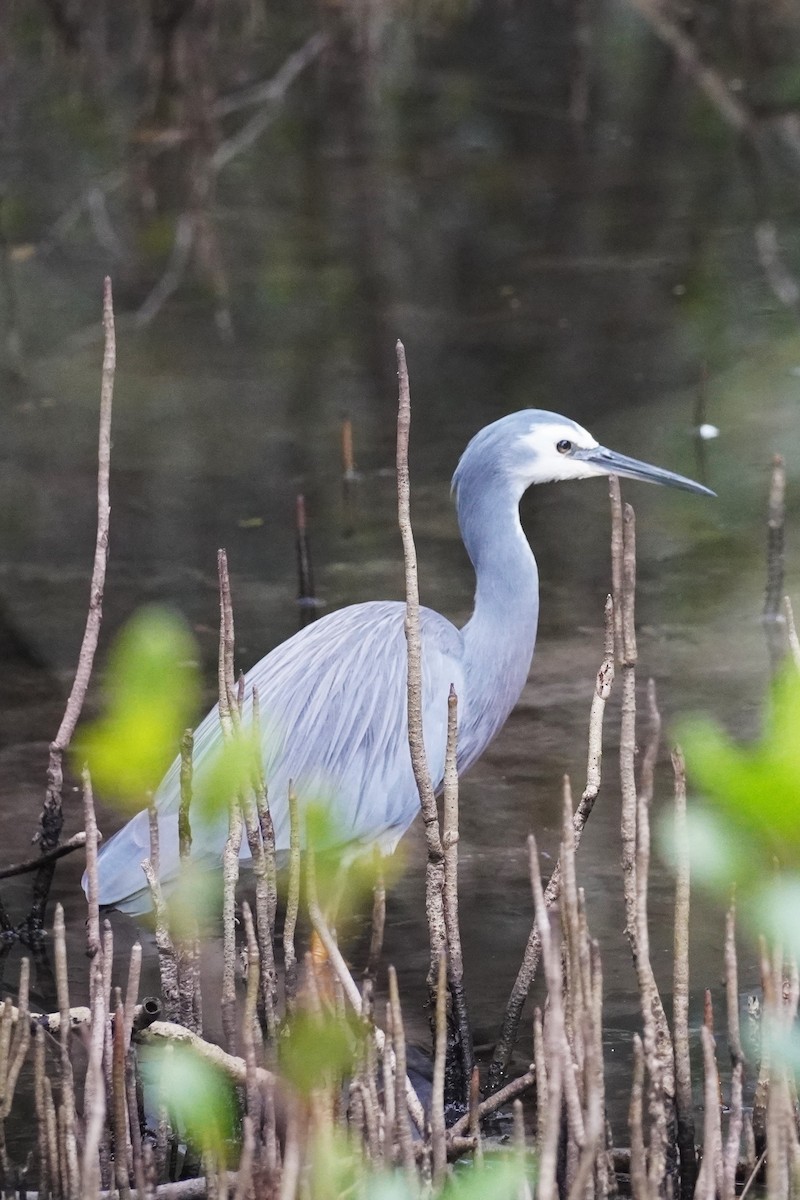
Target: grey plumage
column 334, row 695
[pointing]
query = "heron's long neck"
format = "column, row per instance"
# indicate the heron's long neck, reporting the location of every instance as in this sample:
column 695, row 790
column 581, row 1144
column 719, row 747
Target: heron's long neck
column 500, row 636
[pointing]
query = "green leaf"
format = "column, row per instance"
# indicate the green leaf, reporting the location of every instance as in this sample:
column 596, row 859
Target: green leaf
column 498, row 1179
column 315, row 1047
column 230, row 773
column 152, row 691
column 757, row 787
column 199, row 1098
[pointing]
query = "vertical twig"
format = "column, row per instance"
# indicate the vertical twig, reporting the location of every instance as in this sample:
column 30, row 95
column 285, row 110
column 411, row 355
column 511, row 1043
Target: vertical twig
column 378, row 922
column 95, row 1097
column 554, row 1036
column 400, row 1106
column 474, row 1116
column 684, row 1106
column 438, row 1141
column 120, row 1108
column 455, row 958
column 92, row 889
column 167, row 958
column 51, row 819
column 773, row 617
column 434, row 879
column 627, row 744
column 533, row 948
column 230, row 720
column 635, row 1122
column 188, row 934
column 292, row 904
column 67, row 1082
column 791, row 632
column 732, row 987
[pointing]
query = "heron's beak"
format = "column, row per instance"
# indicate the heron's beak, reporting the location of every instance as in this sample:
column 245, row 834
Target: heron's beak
column 612, row 463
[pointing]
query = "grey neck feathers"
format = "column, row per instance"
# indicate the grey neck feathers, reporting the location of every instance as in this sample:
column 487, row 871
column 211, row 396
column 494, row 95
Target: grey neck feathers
column 500, row 636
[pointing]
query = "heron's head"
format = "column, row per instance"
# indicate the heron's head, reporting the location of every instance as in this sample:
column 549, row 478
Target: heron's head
column 534, row 446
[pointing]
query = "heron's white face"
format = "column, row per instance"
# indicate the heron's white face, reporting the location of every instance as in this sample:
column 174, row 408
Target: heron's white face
column 550, row 448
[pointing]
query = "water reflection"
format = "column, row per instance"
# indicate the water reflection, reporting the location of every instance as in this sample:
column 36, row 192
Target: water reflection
column 434, row 188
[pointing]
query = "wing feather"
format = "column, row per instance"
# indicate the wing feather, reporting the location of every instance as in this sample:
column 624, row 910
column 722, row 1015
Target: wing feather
column 333, row 704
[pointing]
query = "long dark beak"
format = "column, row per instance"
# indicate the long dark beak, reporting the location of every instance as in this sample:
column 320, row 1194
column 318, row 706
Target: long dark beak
column 619, row 464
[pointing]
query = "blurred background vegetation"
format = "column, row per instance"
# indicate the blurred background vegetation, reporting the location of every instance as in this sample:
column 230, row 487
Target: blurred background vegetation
column 544, row 204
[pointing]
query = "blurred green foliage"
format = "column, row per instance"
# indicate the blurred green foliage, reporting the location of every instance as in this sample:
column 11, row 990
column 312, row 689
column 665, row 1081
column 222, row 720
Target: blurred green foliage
column 230, row 772
column 199, row 1098
column 316, row 1049
column 339, row 1170
column 746, row 830
column 152, row 691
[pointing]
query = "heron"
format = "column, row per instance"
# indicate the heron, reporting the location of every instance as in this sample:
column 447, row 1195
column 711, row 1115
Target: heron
column 334, row 694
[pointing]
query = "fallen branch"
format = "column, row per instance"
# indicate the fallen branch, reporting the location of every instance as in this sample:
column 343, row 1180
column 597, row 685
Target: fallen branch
column 76, row 842
column 167, row 1032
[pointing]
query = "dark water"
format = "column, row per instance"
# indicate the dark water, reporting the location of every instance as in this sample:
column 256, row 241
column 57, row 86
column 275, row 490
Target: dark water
column 438, row 192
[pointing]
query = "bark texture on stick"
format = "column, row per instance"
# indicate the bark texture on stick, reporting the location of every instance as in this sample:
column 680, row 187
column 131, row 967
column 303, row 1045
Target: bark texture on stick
column 51, row 820
column 455, row 958
column 530, row 959
column 774, row 614
column 684, row 1104
column 434, row 881
column 229, row 716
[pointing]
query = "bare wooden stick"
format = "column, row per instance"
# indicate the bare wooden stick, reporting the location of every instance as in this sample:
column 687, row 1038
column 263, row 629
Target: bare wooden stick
column 167, row 1032
column 132, row 989
column 229, row 716
column 120, row 1104
column 167, row 960
column 627, row 744
column 434, row 879
column 339, row 966
column 684, row 1106
column 533, row 948
column 438, row 1142
column 18, row 1050
column 638, row 1167
column 51, row 820
column 378, row 923
column 228, row 700
column 187, row 939
column 67, row 1082
column 95, row 1095
column 773, row 616
column 92, row 889
column 76, row 842
column 268, row 974
column 732, row 987
column 554, row 1035
column 249, row 1024
column 729, row 106
column 523, row 1083
column 292, row 904
column 615, row 499
column 455, row 958
column 265, row 817
column 401, row 1108
column 709, row 1183
column 474, row 1116
column 186, row 786
column 791, row 631
column 733, row 1141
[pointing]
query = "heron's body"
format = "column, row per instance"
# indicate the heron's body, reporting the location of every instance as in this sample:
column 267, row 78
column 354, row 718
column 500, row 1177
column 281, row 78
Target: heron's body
column 334, row 695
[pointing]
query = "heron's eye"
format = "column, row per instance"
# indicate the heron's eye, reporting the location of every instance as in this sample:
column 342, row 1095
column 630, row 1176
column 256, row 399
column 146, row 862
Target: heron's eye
column 563, row 447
